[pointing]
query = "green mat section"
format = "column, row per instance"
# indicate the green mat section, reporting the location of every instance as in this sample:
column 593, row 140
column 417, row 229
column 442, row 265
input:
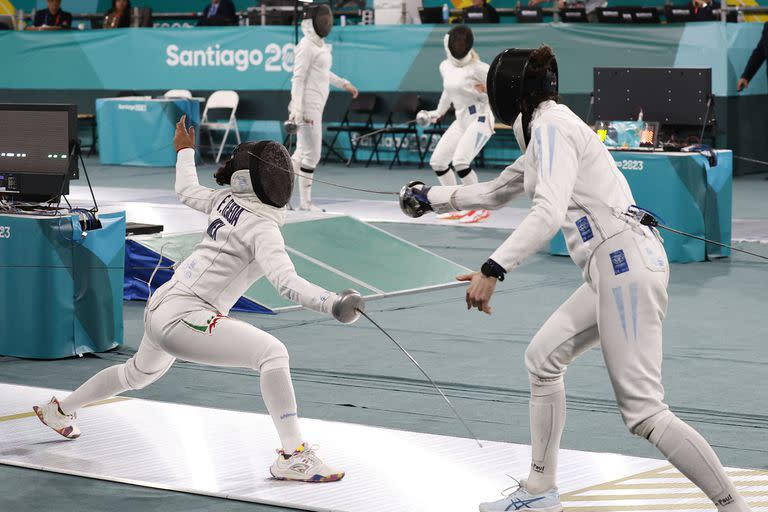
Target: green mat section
column 337, row 253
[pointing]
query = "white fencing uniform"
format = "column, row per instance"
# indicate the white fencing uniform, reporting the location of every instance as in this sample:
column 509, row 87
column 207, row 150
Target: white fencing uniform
column 186, row 317
column 576, row 186
column 473, row 127
column 310, row 86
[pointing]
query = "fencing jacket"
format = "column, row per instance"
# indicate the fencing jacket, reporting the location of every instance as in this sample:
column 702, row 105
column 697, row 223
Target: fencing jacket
column 312, row 75
column 572, row 179
column 241, row 244
column 459, row 80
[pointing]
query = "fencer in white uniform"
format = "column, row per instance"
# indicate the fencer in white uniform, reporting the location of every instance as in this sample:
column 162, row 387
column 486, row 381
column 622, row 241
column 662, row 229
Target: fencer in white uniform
column 187, row 318
column 464, row 76
column 310, row 86
column 575, row 186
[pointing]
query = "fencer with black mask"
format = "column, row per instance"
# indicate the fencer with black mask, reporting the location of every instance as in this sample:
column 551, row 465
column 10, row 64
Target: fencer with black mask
column 187, row 318
column 575, row 186
column 464, row 77
column 310, row 86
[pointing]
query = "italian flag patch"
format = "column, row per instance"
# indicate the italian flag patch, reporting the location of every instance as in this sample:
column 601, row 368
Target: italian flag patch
column 206, row 328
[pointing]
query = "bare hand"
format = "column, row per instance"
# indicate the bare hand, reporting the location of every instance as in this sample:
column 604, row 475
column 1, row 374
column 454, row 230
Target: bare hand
column 480, row 87
column 742, row 84
column 480, row 290
column 183, row 139
column 534, row 3
column 352, row 90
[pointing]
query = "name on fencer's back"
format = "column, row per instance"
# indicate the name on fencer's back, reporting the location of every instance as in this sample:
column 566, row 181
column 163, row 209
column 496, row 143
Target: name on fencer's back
column 230, row 211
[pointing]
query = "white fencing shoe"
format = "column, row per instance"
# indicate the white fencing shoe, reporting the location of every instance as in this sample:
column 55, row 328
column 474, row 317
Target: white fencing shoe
column 310, row 207
column 475, row 216
column 452, row 215
column 50, row 414
column 303, row 465
column 521, row 499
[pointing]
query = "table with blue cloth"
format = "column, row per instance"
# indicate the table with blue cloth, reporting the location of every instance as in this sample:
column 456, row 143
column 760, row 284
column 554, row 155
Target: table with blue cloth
column 62, row 291
column 684, row 191
column 139, row 131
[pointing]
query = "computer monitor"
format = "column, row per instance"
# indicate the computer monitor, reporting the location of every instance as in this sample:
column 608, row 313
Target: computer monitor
column 37, row 150
column 431, row 15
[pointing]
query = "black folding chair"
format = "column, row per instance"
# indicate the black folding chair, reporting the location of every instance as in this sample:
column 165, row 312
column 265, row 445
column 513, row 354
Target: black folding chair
column 360, row 108
column 405, row 109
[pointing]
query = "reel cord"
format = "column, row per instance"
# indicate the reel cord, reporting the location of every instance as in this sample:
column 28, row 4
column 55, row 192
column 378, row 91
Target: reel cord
column 647, row 218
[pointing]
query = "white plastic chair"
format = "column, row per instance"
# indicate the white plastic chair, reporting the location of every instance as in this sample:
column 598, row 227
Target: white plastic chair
column 221, row 99
column 178, row 93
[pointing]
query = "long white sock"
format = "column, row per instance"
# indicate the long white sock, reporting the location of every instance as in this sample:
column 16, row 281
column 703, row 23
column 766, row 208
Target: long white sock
column 446, row 177
column 690, row 453
column 547, row 413
column 305, row 186
column 101, row 386
column 468, row 176
column 279, row 397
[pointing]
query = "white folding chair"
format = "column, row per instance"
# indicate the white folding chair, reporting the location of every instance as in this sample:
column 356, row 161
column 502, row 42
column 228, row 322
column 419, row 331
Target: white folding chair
column 221, row 99
column 178, row 93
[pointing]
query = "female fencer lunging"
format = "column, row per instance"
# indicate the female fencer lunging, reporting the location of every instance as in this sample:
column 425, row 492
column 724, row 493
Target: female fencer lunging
column 576, row 186
column 312, row 78
column 464, row 76
column 186, row 317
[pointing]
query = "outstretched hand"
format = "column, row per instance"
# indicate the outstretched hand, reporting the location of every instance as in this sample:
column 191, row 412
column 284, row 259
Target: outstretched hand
column 742, row 84
column 351, row 89
column 480, row 290
column 184, row 138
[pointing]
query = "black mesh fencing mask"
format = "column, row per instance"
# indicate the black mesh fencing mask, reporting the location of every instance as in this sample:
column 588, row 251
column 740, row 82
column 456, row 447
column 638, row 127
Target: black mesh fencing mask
column 510, row 82
column 271, row 170
column 460, row 41
column 322, row 18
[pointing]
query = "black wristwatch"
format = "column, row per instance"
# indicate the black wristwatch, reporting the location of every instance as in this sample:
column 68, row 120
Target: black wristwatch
column 492, row 269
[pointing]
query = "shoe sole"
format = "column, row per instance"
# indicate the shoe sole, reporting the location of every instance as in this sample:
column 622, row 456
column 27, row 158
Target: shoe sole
column 64, row 432
column 317, row 479
column 474, row 221
column 548, row 509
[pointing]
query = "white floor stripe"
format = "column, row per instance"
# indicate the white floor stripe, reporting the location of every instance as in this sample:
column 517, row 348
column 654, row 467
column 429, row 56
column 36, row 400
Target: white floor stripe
column 336, row 271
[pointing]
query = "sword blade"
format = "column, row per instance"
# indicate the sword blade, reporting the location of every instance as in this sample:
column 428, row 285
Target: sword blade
column 416, row 363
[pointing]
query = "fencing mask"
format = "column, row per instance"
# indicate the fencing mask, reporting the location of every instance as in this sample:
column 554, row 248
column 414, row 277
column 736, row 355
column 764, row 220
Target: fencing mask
column 517, row 80
column 322, row 18
column 270, row 170
column 460, row 41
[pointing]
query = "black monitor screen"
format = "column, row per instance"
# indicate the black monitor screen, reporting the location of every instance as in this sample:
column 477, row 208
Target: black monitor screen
column 34, row 141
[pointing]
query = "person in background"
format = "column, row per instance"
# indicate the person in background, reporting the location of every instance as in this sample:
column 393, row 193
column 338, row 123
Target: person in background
column 755, row 61
column 52, row 18
column 481, row 12
column 219, row 13
column 703, row 10
column 119, row 16
column 589, row 5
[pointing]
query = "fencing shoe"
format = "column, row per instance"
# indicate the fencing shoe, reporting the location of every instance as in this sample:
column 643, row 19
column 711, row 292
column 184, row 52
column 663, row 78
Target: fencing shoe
column 310, row 207
column 475, row 216
column 50, row 414
column 452, row 215
column 303, row 465
column 521, row 499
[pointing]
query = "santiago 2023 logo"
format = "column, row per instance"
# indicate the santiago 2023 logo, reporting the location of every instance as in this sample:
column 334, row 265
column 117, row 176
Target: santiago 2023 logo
column 275, row 58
